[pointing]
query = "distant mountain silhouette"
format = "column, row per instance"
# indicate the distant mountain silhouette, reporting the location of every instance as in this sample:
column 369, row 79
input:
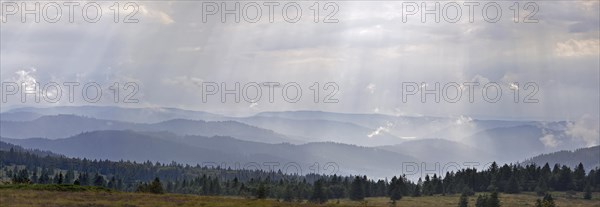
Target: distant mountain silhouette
column 441, row 150
column 61, row 126
column 589, row 157
column 42, row 153
column 136, row 115
column 167, row 147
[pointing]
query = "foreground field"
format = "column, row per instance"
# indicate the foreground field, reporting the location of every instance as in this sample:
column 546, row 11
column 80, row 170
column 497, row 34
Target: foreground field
column 21, row 197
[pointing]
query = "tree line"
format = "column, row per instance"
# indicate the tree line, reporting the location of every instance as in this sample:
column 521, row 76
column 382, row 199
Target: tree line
column 24, row 167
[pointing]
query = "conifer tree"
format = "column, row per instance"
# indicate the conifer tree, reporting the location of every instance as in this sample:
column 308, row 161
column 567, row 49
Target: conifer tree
column 463, row 201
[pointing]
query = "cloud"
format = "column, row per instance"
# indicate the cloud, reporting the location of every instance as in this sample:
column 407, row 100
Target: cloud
column 480, row 79
column 369, row 45
column 463, row 120
column 584, row 129
column 371, row 88
column 575, row 48
column 187, row 81
column 189, row 49
column 156, row 14
column 381, row 129
column 399, row 113
column 513, row 86
column 549, row 140
column 25, row 77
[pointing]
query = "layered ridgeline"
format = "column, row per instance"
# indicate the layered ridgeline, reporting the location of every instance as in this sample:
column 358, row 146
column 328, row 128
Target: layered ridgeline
column 227, row 151
column 373, row 144
column 18, row 166
column 61, row 126
column 590, row 157
column 357, row 129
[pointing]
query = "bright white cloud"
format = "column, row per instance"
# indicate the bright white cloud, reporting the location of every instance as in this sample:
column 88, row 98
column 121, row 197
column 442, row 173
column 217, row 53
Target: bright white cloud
column 576, row 48
column 549, row 140
column 585, row 129
column 381, row 129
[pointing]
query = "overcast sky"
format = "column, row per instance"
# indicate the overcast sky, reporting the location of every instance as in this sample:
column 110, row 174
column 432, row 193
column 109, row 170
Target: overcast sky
column 369, row 53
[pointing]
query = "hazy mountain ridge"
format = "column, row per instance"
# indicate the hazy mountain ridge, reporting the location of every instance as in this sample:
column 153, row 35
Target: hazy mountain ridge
column 316, row 130
column 589, row 157
column 430, row 150
column 129, row 145
column 523, row 141
column 336, row 136
column 7, row 147
column 136, row 115
column 62, row 126
column 422, row 127
column 19, row 116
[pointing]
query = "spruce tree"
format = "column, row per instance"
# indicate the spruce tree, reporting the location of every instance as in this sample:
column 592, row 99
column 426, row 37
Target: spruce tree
column 261, row 191
column 34, row 177
column 417, row 190
column 60, row 179
column 579, row 177
column 481, row 201
column 69, row 177
column 357, row 191
column 318, row 195
column 542, row 187
column 548, row 201
column 288, row 194
column 513, row 186
column 463, row 201
column 99, row 180
column 588, row 192
column 493, row 200
column 21, row 177
column 156, row 187
column 395, row 189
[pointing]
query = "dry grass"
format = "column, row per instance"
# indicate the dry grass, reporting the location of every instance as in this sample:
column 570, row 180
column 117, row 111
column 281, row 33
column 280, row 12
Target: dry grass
column 18, row 198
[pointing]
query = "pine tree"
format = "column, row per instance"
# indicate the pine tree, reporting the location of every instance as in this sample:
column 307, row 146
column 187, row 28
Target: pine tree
column 481, row 201
column 548, row 201
column 417, row 190
column 579, row 177
column 70, row 176
column 542, row 187
column 44, row 177
column 21, row 177
column 112, row 183
column 565, row 179
column 84, row 178
column 34, row 177
column 493, row 200
column 588, row 192
column 318, row 195
column 538, row 203
column 99, row 180
column 156, row 187
column 261, row 191
column 288, row 194
column 357, row 191
column 395, row 189
column 513, row 186
column 60, row 179
column 427, row 186
column 463, row 201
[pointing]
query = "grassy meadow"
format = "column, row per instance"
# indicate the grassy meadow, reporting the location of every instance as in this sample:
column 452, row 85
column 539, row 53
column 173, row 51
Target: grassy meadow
column 66, row 196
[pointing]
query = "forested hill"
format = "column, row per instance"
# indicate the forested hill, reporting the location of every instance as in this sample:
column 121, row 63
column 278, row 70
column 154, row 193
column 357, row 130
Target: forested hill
column 589, row 157
column 24, row 167
column 7, row 146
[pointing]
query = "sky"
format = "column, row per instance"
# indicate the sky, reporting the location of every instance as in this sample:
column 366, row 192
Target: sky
column 360, row 62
